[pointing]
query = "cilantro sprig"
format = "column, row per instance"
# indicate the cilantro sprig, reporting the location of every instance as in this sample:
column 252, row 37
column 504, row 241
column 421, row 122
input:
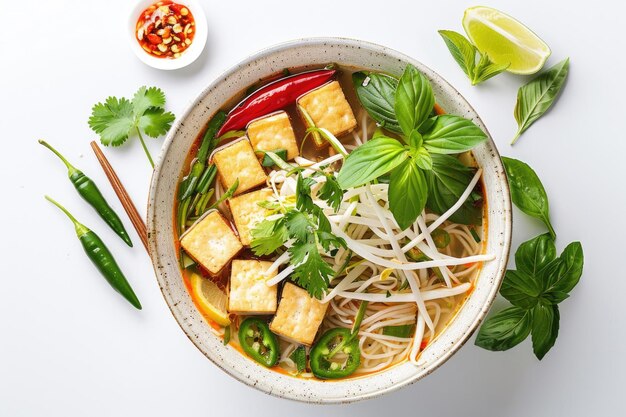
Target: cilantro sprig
column 117, row 119
column 307, row 227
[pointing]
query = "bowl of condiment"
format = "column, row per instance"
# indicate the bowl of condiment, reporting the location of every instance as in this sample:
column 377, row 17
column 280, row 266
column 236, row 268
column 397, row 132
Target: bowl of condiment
column 167, row 34
column 255, row 342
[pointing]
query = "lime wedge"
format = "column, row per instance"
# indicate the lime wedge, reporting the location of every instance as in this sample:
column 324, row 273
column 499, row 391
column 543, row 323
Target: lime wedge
column 505, row 40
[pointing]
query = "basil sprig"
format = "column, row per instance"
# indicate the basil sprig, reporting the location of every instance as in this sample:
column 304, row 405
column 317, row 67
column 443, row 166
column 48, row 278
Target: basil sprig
column 464, row 53
column 541, row 281
column 416, row 162
column 536, row 97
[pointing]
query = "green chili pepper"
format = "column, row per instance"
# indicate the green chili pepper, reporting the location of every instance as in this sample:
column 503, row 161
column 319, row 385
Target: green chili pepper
column 90, row 192
column 334, row 342
column 258, row 341
column 441, row 238
column 99, row 254
column 339, row 344
column 416, row 255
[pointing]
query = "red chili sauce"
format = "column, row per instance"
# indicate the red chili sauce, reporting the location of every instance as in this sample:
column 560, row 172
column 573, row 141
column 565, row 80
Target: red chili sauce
column 165, row 29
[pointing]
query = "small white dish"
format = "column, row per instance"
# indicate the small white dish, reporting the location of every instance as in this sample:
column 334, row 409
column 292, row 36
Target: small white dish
column 189, row 55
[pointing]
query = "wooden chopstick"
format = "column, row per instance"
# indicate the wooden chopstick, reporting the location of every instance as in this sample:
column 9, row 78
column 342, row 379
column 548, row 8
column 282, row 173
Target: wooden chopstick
column 123, row 196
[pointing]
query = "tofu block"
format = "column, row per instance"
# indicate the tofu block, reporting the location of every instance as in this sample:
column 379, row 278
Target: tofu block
column 273, row 132
column 239, row 161
column 328, row 108
column 211, row 242
column 248, row 292
column 299, row 315
column 247, row 212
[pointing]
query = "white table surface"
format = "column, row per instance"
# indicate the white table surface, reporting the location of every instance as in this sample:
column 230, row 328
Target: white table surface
column 70, row 346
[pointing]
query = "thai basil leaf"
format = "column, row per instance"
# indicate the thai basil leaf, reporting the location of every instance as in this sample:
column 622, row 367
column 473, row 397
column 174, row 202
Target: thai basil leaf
column 408, row 192
column 371, row 160
column 534, row 255
column 446, row 183
column 536, row 97
column 414, row 99
column 422, row 158
column 527, row 191
column 464, row 53
column 376, row 93
column 462, row 50
column 520, row 289
column 504, row 329
column 452, row 134
column 545, row 328
column 415, row 139
column 570, row 269
column 486, row 69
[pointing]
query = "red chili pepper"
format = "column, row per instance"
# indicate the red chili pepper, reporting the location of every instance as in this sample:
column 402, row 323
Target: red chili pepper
column 274, row 96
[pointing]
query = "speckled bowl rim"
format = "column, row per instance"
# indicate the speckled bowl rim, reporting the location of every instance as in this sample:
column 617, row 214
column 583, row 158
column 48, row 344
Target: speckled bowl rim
column 313, row 391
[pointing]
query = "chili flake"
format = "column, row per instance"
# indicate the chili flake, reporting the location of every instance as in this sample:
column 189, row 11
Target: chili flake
column 165, row 29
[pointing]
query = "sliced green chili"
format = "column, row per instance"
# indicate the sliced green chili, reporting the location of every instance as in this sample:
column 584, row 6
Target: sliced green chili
column 441, row 238
column 102, row 258
column 258, row 341
column 89, row 191
column 337, row 354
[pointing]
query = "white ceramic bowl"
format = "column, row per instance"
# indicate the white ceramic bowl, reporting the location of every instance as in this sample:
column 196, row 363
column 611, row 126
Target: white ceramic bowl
column 161, row 231
column 188, row 56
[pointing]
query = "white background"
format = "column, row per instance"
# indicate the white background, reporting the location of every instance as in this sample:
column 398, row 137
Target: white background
column 70, row 346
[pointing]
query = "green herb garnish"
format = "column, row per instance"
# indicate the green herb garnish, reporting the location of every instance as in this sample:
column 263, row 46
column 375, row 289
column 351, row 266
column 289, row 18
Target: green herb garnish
column 269, row 162
column 541, row 281
column 421, row 172
column 536, row 97
column 402, row 330
column 527, row 191
column 116, row 119
column 309, row 229
column 298, row 356
column 464, row 53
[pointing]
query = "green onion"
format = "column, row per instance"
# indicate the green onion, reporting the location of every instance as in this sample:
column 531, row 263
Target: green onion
column 226, row 335
column 228, row 194
column 475, row 235
column 269, row 162
column 298, row 356
column 403, row 330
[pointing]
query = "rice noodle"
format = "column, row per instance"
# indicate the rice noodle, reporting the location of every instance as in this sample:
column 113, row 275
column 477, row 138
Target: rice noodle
column 399, row 292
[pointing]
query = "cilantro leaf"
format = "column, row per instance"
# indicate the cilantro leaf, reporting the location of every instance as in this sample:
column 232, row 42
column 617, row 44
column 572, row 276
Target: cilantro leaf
column 112, row 120
column 268, row 236
column 146, row 98
column 115, row 119
column 298, row 225
column 156, row 122
column 312, row 272
column 331, row 192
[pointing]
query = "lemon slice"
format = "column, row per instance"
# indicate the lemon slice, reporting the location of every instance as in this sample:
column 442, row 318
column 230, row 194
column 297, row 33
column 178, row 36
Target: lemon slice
column 505, row 40
column 212, row 301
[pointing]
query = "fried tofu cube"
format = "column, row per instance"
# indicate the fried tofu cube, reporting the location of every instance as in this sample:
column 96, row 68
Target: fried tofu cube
column 238, row 161
column 211, row 242
column 299, row 315
column 247, row 212
column 329, row 109
column 272, row 133
column 248, row 292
